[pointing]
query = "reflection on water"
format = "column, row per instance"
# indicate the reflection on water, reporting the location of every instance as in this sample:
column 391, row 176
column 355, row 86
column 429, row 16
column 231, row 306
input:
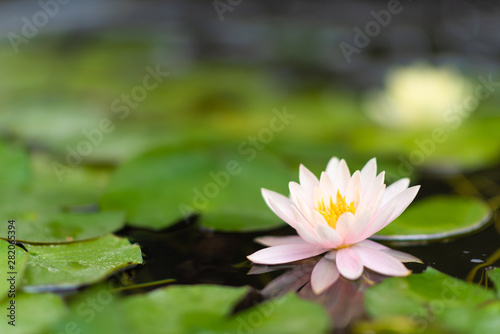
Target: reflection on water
column 343, row 300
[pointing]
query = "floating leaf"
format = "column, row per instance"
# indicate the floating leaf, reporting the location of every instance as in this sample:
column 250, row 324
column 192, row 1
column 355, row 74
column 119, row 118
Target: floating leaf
column 35, row 313
column 14, row 167
column 437, row 217
column 288, row 314
column 431, row 302
column 66, row 227
column 181, row 309
column 192, row 309
column 164, row 186
column 16, row 264
column 67, row 266
column 494, row 276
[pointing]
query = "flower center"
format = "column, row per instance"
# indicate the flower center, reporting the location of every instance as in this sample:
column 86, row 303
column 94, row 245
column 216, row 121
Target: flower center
column 333, row 210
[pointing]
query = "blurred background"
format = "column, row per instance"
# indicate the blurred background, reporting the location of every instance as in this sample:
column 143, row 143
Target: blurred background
column 163, row 110
column 66, row 65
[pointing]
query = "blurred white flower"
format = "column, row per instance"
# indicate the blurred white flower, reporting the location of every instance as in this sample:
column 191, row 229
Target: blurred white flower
column 417, row 96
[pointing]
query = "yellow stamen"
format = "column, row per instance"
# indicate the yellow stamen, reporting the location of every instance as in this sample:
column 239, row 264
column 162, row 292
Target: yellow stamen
column 332, row 211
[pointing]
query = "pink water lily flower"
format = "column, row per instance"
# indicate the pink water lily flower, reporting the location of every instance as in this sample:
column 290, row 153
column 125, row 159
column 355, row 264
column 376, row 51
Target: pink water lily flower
column 335, row 215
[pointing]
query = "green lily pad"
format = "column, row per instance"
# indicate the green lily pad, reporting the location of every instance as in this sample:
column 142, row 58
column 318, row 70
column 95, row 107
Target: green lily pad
column 164, row 186
column 206, row 308
column 437, row 217
column 191, row 309
column 17, row 264
column 181, row 309
column 494, row 276
column 43, row 209
column 68, row 266
column 14, row 167
column 431, row 302
column 35, row 313
column 65, row 227
column 288, row 314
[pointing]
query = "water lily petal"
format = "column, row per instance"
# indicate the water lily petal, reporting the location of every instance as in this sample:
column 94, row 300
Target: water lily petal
column 353, row 188
column 342, row 177
column 369, row 171
column 332, row 166
column 331, row 255
column 328, row 236
column 297, row 191
column 377, row 202
column 395, row 189
column 308, row 180
column 401, row 256
column 326, row 185
column 285, row 253
column 324, row 274
column 371, row 190
column 372, row 244
column 277, row 241
column 345, row 224
column 376, row 223
column 280, row 205
column 379, row 261
column 358, row 226
column 403, row 200
column 349, row 263
column 305, row 230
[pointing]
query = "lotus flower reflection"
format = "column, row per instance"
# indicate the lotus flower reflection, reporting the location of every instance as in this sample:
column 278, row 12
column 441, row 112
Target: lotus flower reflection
column 335, row 215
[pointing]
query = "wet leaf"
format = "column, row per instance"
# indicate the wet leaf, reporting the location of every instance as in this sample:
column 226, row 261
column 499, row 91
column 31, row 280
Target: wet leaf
column 69, row 227
column 68, row 266
column 18, row 263
column 438, row 217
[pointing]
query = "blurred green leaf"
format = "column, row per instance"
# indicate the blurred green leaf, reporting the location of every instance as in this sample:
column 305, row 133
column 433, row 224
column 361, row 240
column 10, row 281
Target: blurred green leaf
column 288, row 314
column 438, row 217
column 206, row 308
column 166, row 185
column 35, row 313
column 431, row 302
column 181, row 309
column 192, row 309
column 18, row 262
column 67, row 266
column 65, row 227
column 43, row 209
column 494, row 276
column 14, row 168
